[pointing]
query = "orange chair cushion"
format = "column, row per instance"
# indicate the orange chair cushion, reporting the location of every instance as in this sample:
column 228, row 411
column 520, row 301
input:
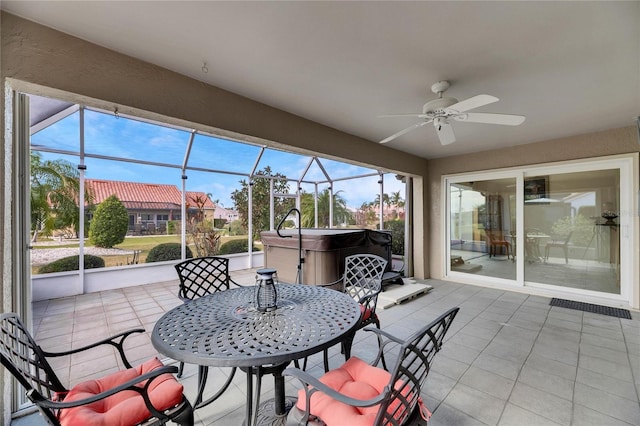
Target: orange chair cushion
column 365, row 313
column 355, row 378
column 126, row 407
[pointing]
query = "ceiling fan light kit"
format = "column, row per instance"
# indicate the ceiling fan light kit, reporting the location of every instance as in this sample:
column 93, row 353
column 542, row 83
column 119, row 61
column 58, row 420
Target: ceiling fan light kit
column 439, row 111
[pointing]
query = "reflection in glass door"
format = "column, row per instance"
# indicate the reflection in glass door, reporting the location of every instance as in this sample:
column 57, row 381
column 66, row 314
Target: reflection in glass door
column 572, row 230
column 559, row 228
column 483, row 227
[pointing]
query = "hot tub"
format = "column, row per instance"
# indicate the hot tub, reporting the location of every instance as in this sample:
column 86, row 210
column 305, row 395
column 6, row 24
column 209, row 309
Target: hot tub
column 323, row 251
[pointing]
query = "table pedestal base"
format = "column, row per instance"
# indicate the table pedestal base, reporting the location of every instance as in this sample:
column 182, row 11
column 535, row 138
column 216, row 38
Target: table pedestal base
column 267, row 414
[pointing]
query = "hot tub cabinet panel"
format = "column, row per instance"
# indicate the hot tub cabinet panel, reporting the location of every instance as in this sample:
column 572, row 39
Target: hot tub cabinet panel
column 323, row 251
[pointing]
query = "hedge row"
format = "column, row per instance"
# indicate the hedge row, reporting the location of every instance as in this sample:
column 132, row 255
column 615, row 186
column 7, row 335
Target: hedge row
column 160, row 253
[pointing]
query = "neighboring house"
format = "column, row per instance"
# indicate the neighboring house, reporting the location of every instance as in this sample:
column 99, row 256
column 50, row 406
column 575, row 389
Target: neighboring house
column 372, row 213
column 227, row 214
column 151, row 205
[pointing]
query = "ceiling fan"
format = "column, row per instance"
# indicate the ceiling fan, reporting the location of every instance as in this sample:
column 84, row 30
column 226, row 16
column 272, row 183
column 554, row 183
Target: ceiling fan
column 442, row 111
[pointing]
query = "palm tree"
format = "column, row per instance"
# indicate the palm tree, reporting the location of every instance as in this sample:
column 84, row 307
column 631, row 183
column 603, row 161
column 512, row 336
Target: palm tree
column 397, row 201
column 307, row 205
column 55, row 189
column 361, row 219
column 385, row 202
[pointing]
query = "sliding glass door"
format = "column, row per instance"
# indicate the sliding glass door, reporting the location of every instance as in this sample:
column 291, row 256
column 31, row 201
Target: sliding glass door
column 572, row 233
column 562, row 228
column 483, row 227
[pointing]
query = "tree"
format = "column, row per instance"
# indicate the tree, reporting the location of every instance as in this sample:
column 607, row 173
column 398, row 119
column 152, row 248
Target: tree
column 200, row 230
column 260, row 193
column 396, row 198
column 110, row 223
column 580, row 227
column 236, row 227
column 307, row 207
column 385, row 200
column 55, row 189
column 366, row 214
column 397, row 201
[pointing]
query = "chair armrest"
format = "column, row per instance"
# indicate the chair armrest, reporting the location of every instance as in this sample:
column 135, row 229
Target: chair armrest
column 335, row 285
column 382, row 333
column 237, row 283
column 384, row 339
column 116, row 341
column 132, row 385
column 364, row 300
column 317, row 386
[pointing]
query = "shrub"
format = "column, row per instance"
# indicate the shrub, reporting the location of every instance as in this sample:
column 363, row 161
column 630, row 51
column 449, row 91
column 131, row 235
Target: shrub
column 167, row 251
column 236, row 246
column 110, row 223
column 173, row 227
column 581, row 226
column 203, row 238
column 237, row 228
column 72, row 263
column 397, row 235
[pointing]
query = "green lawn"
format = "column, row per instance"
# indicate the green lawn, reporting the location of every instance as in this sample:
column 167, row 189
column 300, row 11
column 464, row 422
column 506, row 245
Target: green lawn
column 143, row 243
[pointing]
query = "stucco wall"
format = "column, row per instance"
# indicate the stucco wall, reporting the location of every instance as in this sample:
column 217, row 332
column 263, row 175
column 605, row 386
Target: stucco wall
column 610, row 142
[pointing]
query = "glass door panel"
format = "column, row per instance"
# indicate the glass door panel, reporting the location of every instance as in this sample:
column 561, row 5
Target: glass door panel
column 483, row 227
column 571, row 230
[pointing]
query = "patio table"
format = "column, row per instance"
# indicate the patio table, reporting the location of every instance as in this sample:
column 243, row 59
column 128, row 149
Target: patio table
column 224, row 329
column 531, row 245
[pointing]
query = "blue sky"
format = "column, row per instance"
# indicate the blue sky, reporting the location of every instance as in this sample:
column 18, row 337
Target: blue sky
column 110, row 136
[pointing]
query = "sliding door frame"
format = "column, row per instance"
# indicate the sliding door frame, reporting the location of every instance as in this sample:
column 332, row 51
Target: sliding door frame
column 629, row 209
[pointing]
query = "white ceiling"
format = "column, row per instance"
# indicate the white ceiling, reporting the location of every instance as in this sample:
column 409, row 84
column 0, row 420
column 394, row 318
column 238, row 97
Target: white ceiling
column 569, row 67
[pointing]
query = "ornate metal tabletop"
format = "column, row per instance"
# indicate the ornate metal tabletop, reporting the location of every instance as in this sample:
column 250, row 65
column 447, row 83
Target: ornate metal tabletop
column 225, row 329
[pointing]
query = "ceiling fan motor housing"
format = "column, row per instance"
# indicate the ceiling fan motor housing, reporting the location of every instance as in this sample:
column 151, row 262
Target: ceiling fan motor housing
column 437, row 105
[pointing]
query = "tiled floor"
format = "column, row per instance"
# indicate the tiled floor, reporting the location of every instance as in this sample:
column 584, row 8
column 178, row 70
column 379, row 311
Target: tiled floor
column 596, row 275
column 510, row 358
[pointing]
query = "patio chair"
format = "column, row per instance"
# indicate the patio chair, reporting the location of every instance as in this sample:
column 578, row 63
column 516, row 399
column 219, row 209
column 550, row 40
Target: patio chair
column 393, row 276
column 362, row 280
column 203, row 275
column 200, row 276
column 561, row 244
column 146, row 394
column 151, row 228
column 495, row 241
column 361, row 393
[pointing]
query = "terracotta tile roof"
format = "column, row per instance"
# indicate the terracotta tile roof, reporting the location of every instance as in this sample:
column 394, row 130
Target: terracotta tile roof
column 194, row 197
column 137, row 195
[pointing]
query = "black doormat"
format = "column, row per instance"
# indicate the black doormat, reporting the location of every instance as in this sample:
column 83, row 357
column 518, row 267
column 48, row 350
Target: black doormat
column 588, row 307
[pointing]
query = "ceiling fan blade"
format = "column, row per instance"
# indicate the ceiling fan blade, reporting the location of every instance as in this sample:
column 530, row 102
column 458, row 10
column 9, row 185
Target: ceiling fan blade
column 445, row 133
column 419, row 115
column 490, row 118
column 403, row 131
column 473, row 102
